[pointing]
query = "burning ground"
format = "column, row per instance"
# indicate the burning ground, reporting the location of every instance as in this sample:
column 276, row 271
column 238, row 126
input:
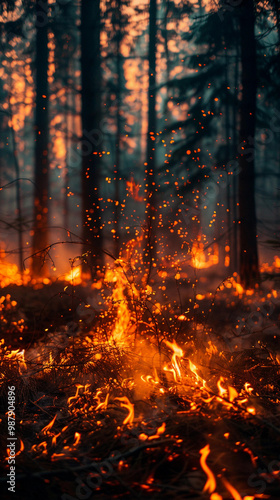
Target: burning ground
column 142, row 388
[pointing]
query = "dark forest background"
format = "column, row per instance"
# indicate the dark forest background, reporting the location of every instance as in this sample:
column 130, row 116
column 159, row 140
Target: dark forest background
column 120, row 119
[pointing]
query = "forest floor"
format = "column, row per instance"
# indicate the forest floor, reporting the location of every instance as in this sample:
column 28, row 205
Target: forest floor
column 125, row 391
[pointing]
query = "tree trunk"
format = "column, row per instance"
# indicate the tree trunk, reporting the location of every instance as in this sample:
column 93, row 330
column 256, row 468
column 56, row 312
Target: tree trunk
column 235, row 180
column 150, row 187
column 41, row 175
column 119, row 71
column 92, row 136
column 249, row 266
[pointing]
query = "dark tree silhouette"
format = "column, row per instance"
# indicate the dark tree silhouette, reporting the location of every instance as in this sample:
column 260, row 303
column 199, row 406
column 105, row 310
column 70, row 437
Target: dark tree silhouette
column 150, row 247
column 92, row 135
column 41, row 172
column 249, row 266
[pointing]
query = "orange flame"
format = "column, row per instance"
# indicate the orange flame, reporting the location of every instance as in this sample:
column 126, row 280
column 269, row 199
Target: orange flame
column 125, row 403
column 193, row 369
column 99, row 403
column 222, row 390
column 75, row 276
column 78, row 387
column 18, row 356
column 10, row 274
column 200, row 260
column 232, row 490
column 133, row 189
column 117, row 277
column 46, row 429
column 210, row 484
column 230, row 393
column 178, row 353
column 77, row 438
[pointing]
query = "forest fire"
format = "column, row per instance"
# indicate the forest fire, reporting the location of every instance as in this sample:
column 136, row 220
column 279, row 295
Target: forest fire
column 116, row 361
column 139, row 266
column 199, row 258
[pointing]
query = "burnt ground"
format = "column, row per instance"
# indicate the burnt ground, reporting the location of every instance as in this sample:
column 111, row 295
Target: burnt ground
column 89, row 451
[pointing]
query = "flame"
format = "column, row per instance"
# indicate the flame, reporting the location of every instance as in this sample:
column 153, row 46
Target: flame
column 199, row 259
column 99, row 403
column 122, row 291
column 231, row 490
column 125, row 403
column 46, row 429
column 77, row 439
column 133, row 189
column 210, row 484
column 222, row 390
column 248, row 388
column 78, row 387
column 230, row 393
column 19, row 357
column 75, row 276
column 54, row 438
column 42, row 447
column 178, row 353
column 193, row 369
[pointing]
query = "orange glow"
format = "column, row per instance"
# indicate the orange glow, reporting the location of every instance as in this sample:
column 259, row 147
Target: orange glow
column 9, row 273
column 116, row 277
column 222, row 390
column 18, row 356
column 200, row 260
column 274, row 267
column 133, row 189
column 78, row 387
column 232, row 490
column 46, row 429
column 77, row 438
column 75, row 276
column 193, row 369
column 125, row 403
column 178, row 353
column 210, row 484
column 100, row 404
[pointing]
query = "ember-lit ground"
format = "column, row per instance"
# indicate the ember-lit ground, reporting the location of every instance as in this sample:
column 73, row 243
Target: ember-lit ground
column 134, row 389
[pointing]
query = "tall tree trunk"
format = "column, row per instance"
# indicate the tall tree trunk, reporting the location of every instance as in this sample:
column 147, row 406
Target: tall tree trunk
column 150, row 187
column 228, row 240
column 249, row 265
column 118, row 28
column 235, row 180
column 92, row 137
column 40, row 237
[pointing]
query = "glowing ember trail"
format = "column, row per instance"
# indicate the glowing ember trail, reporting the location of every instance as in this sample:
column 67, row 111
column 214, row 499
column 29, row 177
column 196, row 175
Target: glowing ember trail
column 210, row 484
column 232, row 490
column 48, row 427
column 125, row 403
column 100, row 404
